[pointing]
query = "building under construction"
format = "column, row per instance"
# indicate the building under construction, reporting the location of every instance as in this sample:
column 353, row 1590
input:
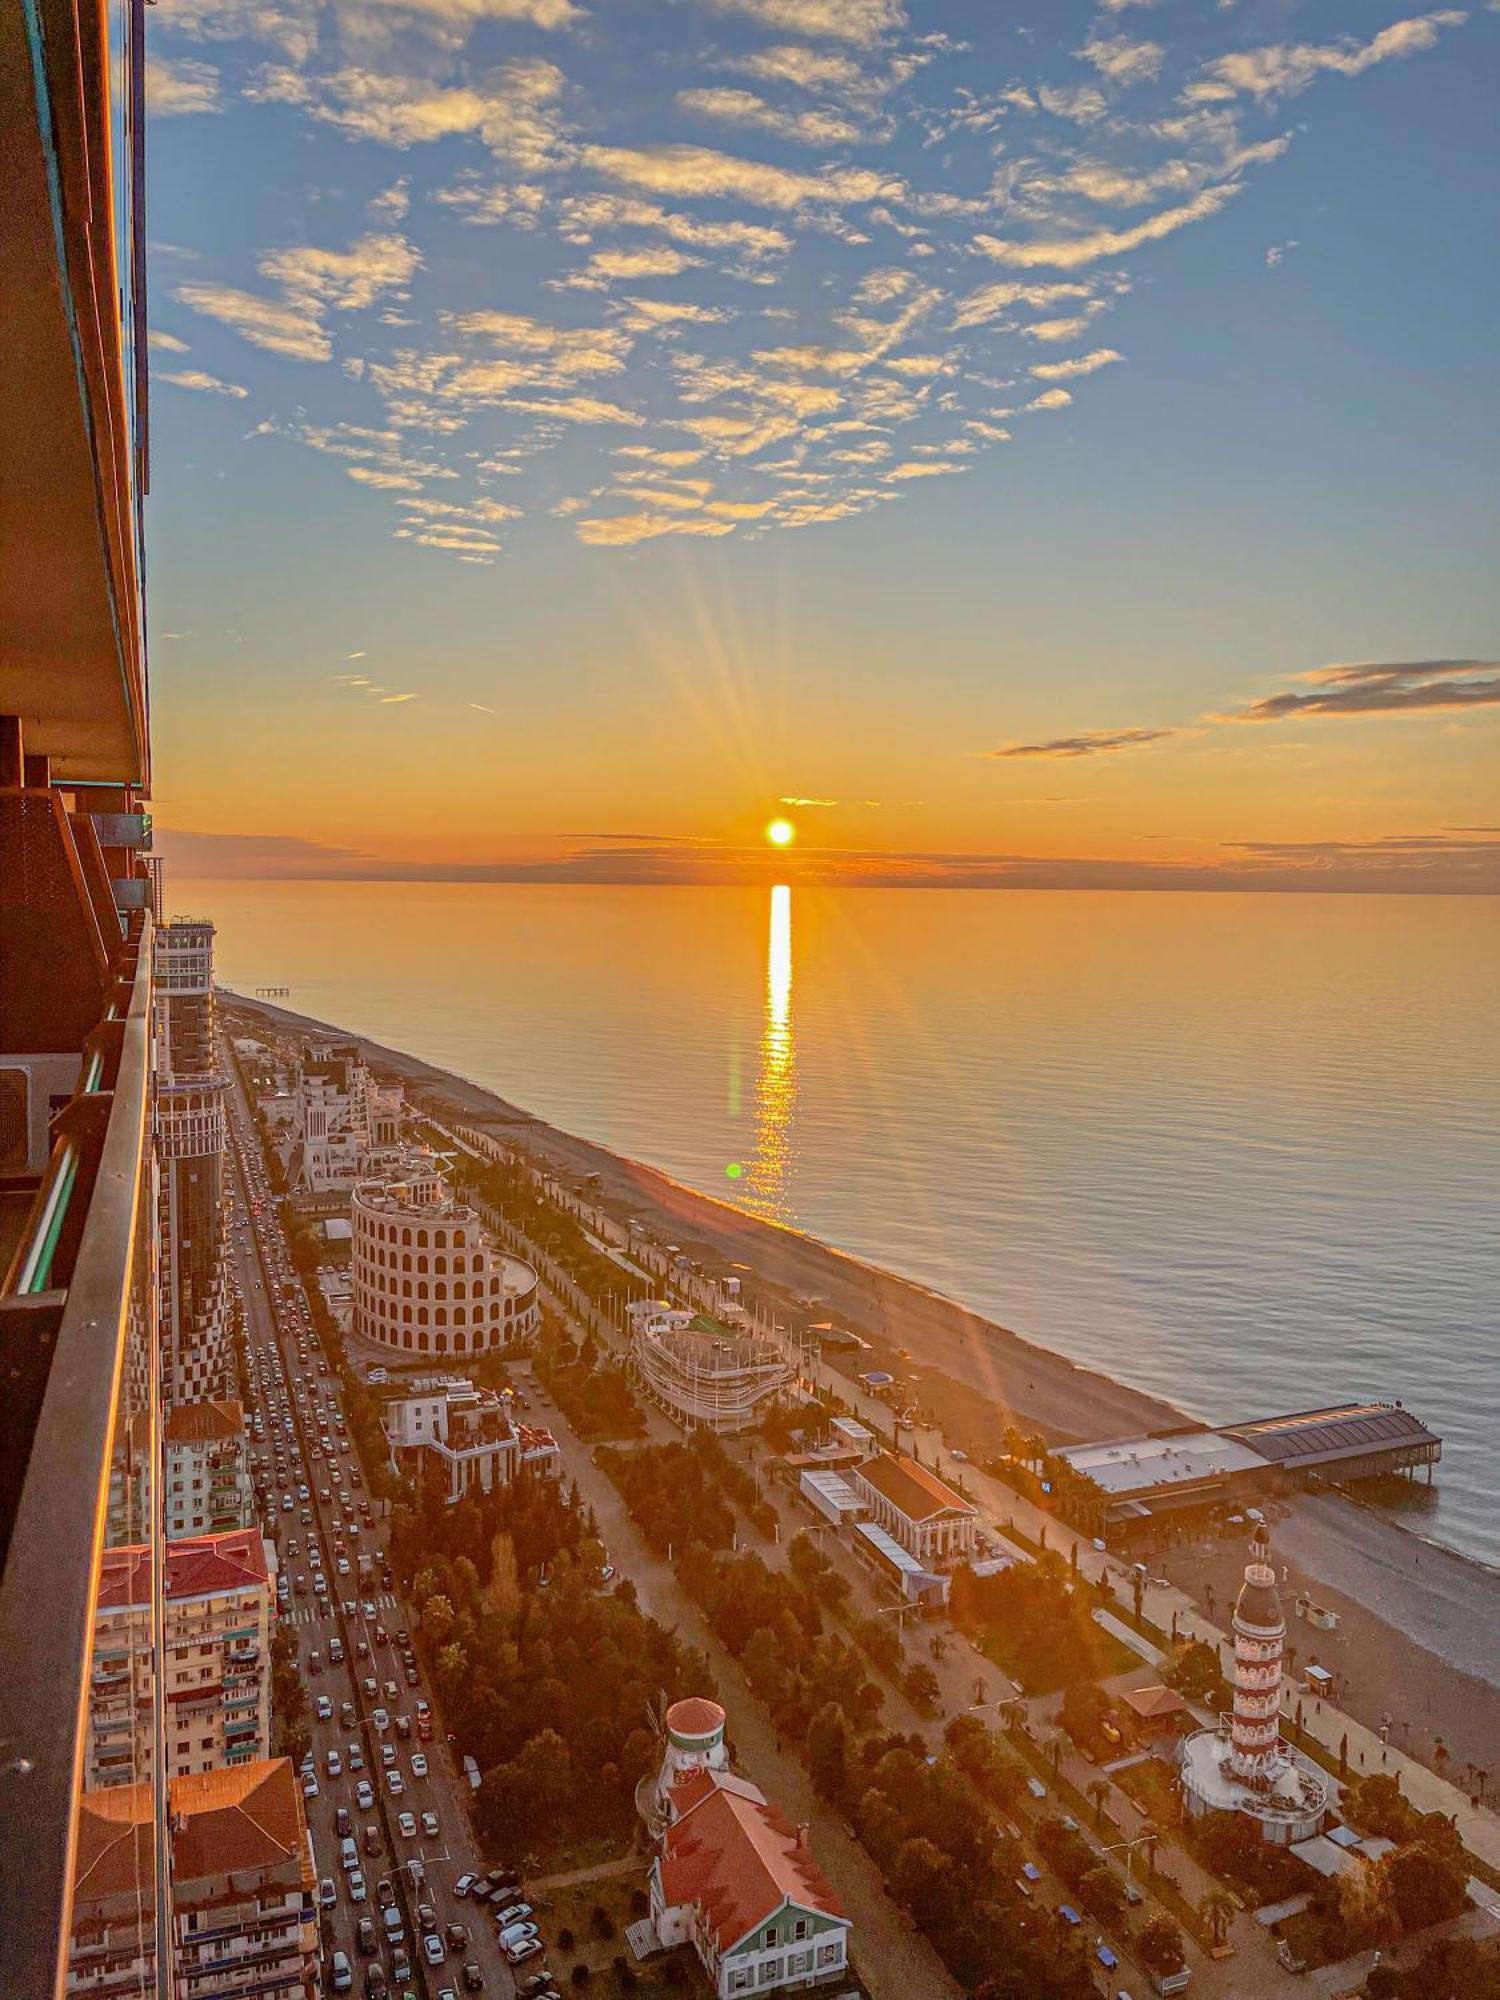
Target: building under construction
column 706, row 1375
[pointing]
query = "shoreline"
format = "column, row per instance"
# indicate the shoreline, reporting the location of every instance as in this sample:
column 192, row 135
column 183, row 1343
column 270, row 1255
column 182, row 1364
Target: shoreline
column 974, row 1376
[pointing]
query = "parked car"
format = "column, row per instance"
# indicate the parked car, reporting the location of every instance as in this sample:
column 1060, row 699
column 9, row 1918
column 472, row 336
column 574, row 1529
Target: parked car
column 340, row 1972
column 433, row 1949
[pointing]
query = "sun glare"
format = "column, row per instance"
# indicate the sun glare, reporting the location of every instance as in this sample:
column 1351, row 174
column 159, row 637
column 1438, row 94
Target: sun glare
column 781, row 833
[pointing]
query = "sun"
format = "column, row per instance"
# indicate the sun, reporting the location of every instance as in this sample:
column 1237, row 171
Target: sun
column 781, row 833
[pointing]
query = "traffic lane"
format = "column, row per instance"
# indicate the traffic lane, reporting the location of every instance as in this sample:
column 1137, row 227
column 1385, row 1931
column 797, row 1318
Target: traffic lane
column 451, row 1856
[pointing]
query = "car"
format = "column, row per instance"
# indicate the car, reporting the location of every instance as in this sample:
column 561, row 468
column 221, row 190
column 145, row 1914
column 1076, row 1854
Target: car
column 335, row 1764
column 499, row 1877
column 419, row 1764
column 343, row 1826
column 517, row 1913
column 395, row 1784
column 373, row 1840
column 433, row 1949
column 456, row 1936
column 368, row 1606
column 364, row 1795
column 401, row 1970
column 325, row 1709
column 340, row 1972
column 357, row 1890
column 413, row 1678
column 395, row 1924
column 464, row 1884
column 430, row 1825
column 516, row 1934
column 376, row 1983
column 388, row 1756
column 391, row 1691
column 403, row 1726
column 347, row 1714
column 473, row 1977
column 385, row 1892
column 407, row 1824
column 380, row 1718
column 536, row 1983
column 310, row 1786
column 517, row 1954
column 328, row 1895
column 364, row 1936
column 356, row 1757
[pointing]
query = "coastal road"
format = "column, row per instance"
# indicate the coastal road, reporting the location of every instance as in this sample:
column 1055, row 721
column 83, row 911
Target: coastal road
column 291, row 1390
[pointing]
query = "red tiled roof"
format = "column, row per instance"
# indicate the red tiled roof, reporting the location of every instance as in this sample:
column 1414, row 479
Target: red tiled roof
column 196, row 1567
column 697, row 1786
column 914, row 1491
column 739, row 1860
column 202, row 1423
column 1151, row 1702
column 113, row 1853
column 229, row 1820
column 694, row 1716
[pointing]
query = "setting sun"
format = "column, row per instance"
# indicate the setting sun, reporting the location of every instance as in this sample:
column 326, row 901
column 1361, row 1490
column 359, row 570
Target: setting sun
column 781, row 833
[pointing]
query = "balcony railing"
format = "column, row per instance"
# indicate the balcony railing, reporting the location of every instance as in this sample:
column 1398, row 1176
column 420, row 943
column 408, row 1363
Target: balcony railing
column 77, row 1335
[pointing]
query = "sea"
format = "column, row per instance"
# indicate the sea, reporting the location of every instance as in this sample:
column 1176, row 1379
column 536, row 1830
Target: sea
column 1241, row 1151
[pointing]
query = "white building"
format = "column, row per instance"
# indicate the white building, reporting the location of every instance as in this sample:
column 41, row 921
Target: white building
column 208, row 1486
column 216, row 1675
column 426, row 1278
column 704, row 1374
column 927, row 1518
column 469, row 1434
column 732, row 1876
column 1243, row 1765
column 343, row 1122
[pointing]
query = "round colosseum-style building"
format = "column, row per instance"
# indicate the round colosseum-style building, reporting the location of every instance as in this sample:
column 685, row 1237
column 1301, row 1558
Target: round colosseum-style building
column 427, row 1281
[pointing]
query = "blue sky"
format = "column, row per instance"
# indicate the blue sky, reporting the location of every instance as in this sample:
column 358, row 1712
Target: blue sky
column 624, row 416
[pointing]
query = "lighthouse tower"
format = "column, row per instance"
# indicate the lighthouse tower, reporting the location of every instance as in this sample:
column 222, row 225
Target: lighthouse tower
column 694, row 1742
column 1256, row 1756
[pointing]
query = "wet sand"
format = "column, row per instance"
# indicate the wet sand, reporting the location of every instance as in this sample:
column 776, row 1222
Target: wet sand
column 1421, row 1630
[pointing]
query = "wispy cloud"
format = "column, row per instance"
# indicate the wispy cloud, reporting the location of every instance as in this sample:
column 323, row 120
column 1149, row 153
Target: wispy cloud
column 1079, row 364
column 176, row 88
column 1409, row 687
column 1088, row 743
column 1283, row 68
column 1071, row 253
column 195, row 378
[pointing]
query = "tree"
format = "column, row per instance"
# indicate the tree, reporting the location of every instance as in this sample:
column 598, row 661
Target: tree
column 1159, row 1948
column 1102, row 1894
column 1424, row 1887
column 920, row 1686
column 1217, row 1907
column 1194, row 1672
column 830, row 1749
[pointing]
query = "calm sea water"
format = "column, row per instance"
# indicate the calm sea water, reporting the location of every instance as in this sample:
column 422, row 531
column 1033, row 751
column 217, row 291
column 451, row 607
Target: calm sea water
column 1242, row 1151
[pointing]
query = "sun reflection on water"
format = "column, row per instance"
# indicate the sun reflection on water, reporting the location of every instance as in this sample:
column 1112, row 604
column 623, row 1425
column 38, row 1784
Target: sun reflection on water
column 776, row 1084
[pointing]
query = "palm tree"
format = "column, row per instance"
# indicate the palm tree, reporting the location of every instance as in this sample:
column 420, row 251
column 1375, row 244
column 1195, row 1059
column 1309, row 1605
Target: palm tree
column 1217, row 1909
column 1098, row 1791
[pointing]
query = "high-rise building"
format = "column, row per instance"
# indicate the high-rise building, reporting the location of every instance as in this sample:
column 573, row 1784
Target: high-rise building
column 343, row 1120
column 196, row 1303
column 206, row 1479
column 244, row 1920
column 79, row 1351
column 213, row 1666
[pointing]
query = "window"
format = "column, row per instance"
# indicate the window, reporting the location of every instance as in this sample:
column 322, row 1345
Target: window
column 831, row 1954
column 770, row 1972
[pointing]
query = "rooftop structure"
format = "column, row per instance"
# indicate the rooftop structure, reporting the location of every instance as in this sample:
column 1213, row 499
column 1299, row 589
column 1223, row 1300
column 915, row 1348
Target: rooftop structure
column 1355, row 1440
column 344, row 1124
column 703, row 1373
column 922, row 1512
column 469, row 1436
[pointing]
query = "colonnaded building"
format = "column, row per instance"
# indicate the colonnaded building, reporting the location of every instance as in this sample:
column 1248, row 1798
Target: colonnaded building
column 427, row 1280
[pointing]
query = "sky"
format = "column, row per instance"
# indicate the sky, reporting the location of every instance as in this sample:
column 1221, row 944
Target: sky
column 1021, row 444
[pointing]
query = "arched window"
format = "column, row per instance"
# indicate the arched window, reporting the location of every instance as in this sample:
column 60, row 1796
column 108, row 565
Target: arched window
column 421, row 1239
column 440, row 1290
column 442, row 1343
column 406, row 1236
column 421, row 1288
column 406, row 1288
column 421, row 1263
column 458, row 1289
column 458, row 1315
column 422, row 1342
column 406, row 1261
column 441, row 1316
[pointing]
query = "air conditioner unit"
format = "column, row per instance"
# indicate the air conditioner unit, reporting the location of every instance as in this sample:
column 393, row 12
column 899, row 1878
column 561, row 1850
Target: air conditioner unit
column 32, row 1089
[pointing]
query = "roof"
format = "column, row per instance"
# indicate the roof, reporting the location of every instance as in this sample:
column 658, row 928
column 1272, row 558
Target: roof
column 204, row 1423
column 1151, row 1704
column 1137, row 1465
column 690, row 1791
column 694, row 1715
column 245, row 1817
column 911, row 1489
column 230, row 1820
column 887, row 1546
column 834, row 1488
column 1347, row 1430
column 740, row 1859
column 116, row 1844
column 199, row 1566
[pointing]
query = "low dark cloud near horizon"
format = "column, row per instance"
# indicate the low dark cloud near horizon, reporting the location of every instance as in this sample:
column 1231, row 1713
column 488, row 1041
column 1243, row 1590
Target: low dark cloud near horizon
column 1432, row 863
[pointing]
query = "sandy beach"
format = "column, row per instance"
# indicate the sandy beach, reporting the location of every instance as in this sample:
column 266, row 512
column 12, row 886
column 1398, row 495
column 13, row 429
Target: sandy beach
column 1419, row 1620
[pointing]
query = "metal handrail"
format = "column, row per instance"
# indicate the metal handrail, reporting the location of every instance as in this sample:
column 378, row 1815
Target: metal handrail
column 52, row 1562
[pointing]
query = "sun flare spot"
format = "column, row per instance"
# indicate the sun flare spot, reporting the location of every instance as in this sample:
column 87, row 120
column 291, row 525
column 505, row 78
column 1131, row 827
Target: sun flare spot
column 781, row 833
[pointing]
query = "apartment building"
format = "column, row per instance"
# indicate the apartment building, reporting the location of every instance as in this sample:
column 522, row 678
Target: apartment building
column 207, row 1484
column 215, row 1675
column 469, row 1437
column 244, row 1920
column 343, row 1121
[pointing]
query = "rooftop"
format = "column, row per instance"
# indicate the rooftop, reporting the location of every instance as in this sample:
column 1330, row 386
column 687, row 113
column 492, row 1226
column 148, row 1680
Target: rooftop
column 1312, row 1437
column 695, row 1715
column 1132, row 1465
column 741, row 1860
column 248, row 1817
column 204, row 1423
column 200, row 1566
column 914, row 1491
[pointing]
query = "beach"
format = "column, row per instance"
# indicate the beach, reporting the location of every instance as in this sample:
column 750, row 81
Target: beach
column 1418, row 1619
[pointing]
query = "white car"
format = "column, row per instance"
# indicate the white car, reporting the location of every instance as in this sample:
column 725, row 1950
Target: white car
column 357, row 1890
column 310, row 1787
column 325, row 1709
column 395, row 1783
column 430, row 1825
column 380, row 1719
column 335, row 1764
column 407, row 1823
column 419, row 1764
column 364, row 1795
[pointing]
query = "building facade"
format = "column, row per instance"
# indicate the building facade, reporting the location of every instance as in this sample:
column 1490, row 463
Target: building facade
column 208, row 1490
column 732, row 1876
column 216, row 1673
column 923, row 1514
column 244, row 1917
column 467, row 1436
column 342, row 1121
column 426, row 1279
column 705, row 1375
column 189, row 1123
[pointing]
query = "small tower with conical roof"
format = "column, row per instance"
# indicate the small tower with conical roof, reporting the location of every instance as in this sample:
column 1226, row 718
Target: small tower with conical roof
column 1259, row 1650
